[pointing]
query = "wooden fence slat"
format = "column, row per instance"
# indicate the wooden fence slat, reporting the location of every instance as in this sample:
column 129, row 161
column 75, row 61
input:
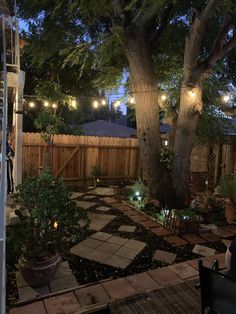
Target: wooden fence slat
column 67, row 161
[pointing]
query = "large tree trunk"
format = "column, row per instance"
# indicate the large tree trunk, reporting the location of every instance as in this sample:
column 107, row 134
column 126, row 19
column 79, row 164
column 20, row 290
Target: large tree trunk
column 144, row 88
column 190, row 107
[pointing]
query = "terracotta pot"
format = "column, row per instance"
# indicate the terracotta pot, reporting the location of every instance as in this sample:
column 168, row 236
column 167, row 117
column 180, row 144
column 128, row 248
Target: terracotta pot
column 230, row 211
column 42, row 271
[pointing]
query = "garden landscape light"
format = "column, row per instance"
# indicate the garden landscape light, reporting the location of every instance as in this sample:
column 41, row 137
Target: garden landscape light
column 55, row 225
column 137, row 193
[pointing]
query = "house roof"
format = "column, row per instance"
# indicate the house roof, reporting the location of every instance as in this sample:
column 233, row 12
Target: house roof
column 229, row 127
column 111, row 129
column 106, row 128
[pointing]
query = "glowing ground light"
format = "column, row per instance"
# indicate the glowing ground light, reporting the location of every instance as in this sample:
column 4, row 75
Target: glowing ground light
column 55, row 225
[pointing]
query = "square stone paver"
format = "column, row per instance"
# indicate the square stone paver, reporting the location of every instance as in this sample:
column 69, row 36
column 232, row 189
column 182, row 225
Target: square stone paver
column 135, row 245
column 92, row 295
column 194, row 262
column 99, row 256
column 161, row 231
column 86, row 205
column 219, row 257
column 91, row 243
column 88, row 197
column 126, row 228
column 117, row 240
column 28, row 293
column 103, row 191
column 108, row 247
column 97, row 226
column 62, row 271
column 118, row 261
column 203, row 250
column 184, row 270
column 64, row 303
column 103, row 236
column 175, row 240
column 143, row 282
column 102, row 209
column 119, row 288
column 20, row 281
column 76, row 195
column 99, row 221
column 127, row 252
column 63, row 283
column 193, row 238
column 81, row 250
column 139, row 218
column 109, row 200
column 165, row 276
column 209, row 237
column 164, row 256
column 34, row 308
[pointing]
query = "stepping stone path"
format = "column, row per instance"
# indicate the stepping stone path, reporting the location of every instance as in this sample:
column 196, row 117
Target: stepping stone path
column 99, row 221
column 164, row 256
column 103, row 191
column 62, row 280
column 102, row 208
column 203, row 250
column 108, row 249
column 109, row 200
column 75, row 195
column 126, row 228
column 85, row 205
column 89, row 197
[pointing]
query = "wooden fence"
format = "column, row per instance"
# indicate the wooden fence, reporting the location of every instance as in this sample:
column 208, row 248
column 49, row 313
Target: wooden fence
column 73, row 158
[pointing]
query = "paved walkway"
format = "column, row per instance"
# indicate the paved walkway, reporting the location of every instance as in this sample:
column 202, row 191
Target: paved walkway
column 100, row 294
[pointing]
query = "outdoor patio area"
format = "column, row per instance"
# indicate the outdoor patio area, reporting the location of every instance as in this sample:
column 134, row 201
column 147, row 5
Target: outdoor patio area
column 120, row 254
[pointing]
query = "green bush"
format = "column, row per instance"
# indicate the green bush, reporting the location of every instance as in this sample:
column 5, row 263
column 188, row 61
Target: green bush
column 49, row 220
column 227, row 187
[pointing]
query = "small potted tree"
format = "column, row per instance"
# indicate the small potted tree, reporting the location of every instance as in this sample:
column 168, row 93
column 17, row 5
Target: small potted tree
column 50, row 222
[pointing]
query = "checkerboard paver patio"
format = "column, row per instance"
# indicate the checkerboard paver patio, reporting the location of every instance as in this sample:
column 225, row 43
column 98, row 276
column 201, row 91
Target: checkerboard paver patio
column 108, row 249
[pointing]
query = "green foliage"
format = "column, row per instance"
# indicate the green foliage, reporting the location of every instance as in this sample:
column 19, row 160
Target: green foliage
column 166, row 157
column 49, row 220
column 48, row 124
column 227, row 187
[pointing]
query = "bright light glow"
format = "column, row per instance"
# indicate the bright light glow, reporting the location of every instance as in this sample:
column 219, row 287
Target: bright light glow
column 55, row 225
column 104, row 102
column 95, row 104
column 74, row 103
column 163, row 97
column 117, row 104
column 132, row 100
column 139, row 198
column 32, row 104
column 46, row 104
column 165, row 143
column 192, row 93
column 137, row 193
column 225, row 98
column 54, row 106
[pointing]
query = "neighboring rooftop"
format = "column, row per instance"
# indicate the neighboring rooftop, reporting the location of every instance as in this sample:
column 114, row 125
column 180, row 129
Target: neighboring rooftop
column 111, row 129
column 230, row 127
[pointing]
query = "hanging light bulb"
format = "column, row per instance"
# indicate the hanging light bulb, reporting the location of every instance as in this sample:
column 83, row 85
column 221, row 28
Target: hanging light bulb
column 46, row 104
column 54, row 105
column 117, row 104
column 31, row 104
column 95, row 104
column 132, row 100
column 192, row 93
column 225, row 98
column 163, row 97
column 104, row 102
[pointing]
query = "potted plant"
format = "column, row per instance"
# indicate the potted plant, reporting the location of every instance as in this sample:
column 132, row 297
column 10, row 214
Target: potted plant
column 227, row 189
column 49, row 223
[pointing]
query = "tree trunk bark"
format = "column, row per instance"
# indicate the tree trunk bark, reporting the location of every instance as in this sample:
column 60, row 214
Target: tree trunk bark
column 144, row 88
column 190, row 107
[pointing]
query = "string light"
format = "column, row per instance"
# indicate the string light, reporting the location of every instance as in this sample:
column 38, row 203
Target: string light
column 163, row 97
column 95, row 104
column 55, row 225
column 46, row 104
column 104, row 102
column 74, row 103
column 192, row 93
column 226, row 98
column 31, row 104
column 116, row 103
column 132, row 100
column 54, row 106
